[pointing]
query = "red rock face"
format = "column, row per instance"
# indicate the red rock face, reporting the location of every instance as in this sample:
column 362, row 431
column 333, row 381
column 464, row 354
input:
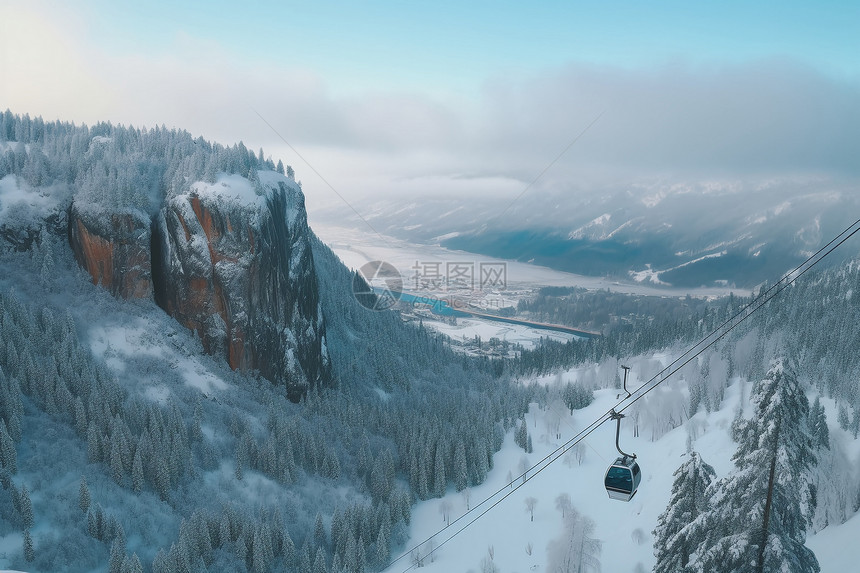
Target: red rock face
column 196, row 295
column 117, row 257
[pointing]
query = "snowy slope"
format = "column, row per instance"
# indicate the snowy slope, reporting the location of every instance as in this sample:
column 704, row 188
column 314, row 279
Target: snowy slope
column 836, row 546
column 623, row 528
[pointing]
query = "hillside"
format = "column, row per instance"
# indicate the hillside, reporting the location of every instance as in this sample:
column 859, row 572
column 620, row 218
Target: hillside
column 108, row 393
column 623, row 530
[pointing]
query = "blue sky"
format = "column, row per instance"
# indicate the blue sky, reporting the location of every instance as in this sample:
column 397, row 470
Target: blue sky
column 428, row 95
column 444, row 44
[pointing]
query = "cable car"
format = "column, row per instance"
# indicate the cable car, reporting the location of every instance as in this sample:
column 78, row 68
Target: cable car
column 622, row 479
column 623, row 476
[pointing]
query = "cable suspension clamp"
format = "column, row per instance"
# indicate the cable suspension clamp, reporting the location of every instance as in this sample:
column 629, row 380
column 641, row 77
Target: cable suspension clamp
column 626, row 370
column 613, row 415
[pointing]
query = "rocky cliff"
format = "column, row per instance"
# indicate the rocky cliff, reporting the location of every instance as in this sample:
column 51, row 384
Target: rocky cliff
column 232, row 261
column 114, row 249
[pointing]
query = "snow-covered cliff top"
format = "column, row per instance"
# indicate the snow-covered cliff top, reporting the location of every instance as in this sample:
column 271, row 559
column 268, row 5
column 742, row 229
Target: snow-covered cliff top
column 22, row 206
column 239, row 191
column 233, row 192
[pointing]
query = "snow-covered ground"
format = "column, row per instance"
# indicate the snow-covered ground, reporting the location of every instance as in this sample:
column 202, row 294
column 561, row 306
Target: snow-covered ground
column 835, row 546
column 116, row 342
column 21, row 206
column 624, row 529
column 468, row 328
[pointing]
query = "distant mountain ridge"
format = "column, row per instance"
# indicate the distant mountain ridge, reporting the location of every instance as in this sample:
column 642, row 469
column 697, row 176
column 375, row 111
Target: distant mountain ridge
column 678, row 235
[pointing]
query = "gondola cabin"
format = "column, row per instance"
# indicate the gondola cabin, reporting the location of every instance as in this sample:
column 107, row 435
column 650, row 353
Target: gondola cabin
column 622, row 478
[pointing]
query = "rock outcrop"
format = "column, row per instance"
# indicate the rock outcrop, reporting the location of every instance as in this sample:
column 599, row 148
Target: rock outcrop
column 114, row 249
column 231, row 260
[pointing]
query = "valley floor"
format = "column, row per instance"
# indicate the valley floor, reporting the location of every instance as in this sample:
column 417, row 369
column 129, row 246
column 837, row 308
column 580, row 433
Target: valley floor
column 355, row 247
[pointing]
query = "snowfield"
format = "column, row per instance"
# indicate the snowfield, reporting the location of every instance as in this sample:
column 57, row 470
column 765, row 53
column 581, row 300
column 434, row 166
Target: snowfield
column 468, row 328
column 836, row 546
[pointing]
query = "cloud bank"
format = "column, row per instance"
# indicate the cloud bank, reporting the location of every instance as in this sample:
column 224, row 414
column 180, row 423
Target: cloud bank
column 748, row 122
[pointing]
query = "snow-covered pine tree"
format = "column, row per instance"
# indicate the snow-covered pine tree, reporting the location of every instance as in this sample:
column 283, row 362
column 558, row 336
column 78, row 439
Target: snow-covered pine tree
column 137, row 472
column 117, row 555
column 162, row 479
column 440, row 482
column 161, row 562
column 8, row 454
column 759, row 514
column 461, row 468
column 131, row 564
column 383, row 549
column 26, row 508
column 842, row 417
column 259, row 559
column 288, row 550
column 521, row 437
column 676, row 536
column 319, row 562
column 116, row 466
column 84, row 498
column 320, row 537
column 29, row 552
column 423, row 491
column 306, row 560
column 818, row 424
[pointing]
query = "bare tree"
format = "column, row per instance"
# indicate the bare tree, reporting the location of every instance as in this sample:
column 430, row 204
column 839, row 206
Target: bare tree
column 553, row 417
column 562, row 503
column 576, row 551
column 445, row 510
column 467, row 496
column 531, row 503
column 580, row 452
column 416, row 558
column 568, row 458
column 524, row 468
column 487, row 563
